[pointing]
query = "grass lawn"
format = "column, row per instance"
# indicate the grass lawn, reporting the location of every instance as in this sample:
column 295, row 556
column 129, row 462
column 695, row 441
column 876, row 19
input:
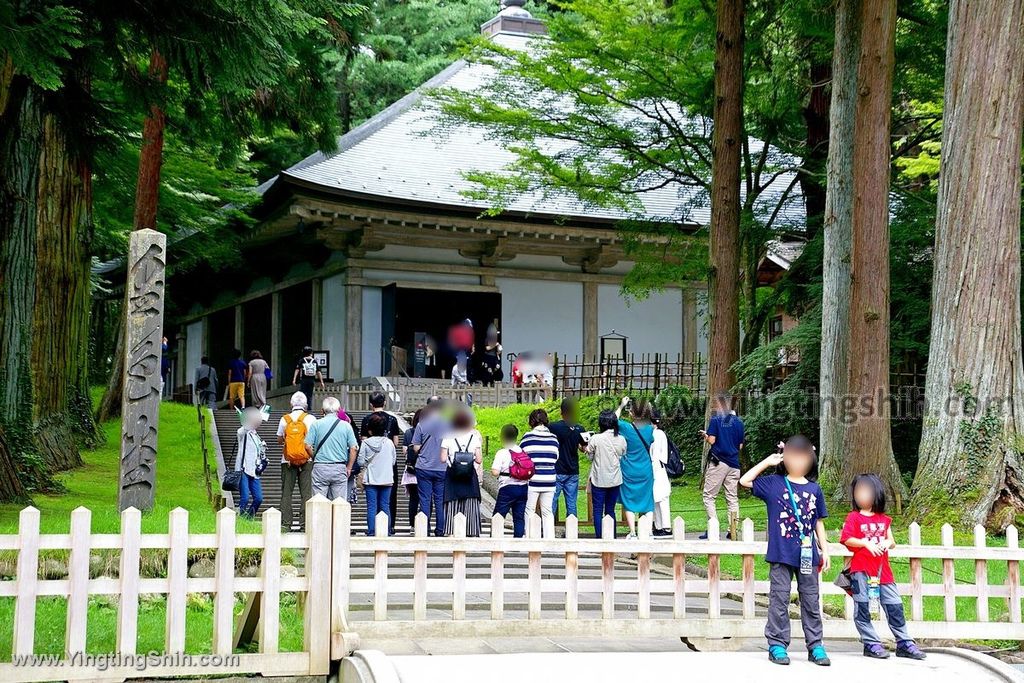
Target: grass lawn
column 180, row 483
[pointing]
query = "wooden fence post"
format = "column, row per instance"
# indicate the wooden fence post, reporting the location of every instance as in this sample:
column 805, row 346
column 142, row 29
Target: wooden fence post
column 948, row 576
column 224, row 577
column 419, row 563
column 916, row 580
column 341, row 540
column 128, row 577
column 1013, row 575
column 317, row 618
column 497, row 570
column 679, row 571
column 380, row 569
column 177, row 576
column 714, row 573
column 748, row 571
column 981, row 575
column 270, row 573
column 78, row 582
column 28, row 580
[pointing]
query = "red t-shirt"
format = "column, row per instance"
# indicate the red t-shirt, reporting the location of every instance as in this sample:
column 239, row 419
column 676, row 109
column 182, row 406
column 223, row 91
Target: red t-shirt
column 872, row 528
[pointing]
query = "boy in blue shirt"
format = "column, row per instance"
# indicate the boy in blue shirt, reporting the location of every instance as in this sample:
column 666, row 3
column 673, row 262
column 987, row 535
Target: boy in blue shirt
column 797, row 544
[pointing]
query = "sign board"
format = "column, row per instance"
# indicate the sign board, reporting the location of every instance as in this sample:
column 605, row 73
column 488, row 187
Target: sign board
column 323, row 363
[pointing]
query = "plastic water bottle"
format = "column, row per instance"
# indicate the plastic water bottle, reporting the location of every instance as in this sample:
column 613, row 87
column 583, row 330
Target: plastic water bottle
column 874, row 594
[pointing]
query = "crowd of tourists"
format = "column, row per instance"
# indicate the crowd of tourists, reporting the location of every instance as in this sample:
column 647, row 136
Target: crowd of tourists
column 540, row 465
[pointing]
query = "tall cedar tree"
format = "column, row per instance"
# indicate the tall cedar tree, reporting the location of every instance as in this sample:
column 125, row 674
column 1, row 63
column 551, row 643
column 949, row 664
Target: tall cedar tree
column 855, row 299
column 972, row 438
column 724, row 273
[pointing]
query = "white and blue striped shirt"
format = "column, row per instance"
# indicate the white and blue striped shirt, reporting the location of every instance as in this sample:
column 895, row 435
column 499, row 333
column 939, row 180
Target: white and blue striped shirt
column 542, row 447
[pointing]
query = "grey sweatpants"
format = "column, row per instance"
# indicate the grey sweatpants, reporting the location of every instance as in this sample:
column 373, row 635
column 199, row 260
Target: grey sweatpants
column 330, row 480
column 777, row 629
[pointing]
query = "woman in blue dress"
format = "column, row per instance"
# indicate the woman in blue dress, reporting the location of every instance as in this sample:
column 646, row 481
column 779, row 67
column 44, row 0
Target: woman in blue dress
column 637, row 490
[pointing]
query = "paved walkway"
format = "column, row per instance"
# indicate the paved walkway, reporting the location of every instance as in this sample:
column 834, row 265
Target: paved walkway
column 585, row 664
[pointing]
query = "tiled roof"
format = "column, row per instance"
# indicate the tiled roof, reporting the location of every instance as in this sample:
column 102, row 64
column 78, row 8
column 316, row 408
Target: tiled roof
column 399, row 155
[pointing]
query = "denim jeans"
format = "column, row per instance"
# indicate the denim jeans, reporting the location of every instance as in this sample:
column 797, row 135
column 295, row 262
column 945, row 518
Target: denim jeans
column 569, row 484
column 890, row 600
column 512, row 497
column 378, row 499
column 430, row 485
column 250, row 495
column 604, row 500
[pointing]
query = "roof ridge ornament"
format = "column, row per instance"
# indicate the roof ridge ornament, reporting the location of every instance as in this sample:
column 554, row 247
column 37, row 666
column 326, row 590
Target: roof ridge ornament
column 514, row 19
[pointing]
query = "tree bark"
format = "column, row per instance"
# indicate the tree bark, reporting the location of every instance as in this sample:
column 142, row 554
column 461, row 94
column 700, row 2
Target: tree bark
column 62, row 413
column 971, row 440
column 838, row 240
column 816, row 119
column 21, row 141
column 147, row 199
column 857, row 359
column 724, row 272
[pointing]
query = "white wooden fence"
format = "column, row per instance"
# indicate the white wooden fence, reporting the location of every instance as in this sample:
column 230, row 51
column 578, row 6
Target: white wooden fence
column 657, row 595
column 27, row 588
column 677, row 586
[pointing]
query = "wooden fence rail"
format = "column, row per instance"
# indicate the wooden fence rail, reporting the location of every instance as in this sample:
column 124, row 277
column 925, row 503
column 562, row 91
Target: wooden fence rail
column 176, row 584
column 358, row 587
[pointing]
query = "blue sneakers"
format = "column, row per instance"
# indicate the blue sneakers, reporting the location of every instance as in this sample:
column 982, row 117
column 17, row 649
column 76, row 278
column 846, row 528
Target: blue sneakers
column 778, row 655
column 818, row 656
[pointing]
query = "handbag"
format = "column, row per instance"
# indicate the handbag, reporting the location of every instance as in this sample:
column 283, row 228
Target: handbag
column 268, row 373
column 231, row 480
column 844, row 580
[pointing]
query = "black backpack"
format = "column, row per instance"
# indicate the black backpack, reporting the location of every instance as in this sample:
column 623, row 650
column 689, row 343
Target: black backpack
column 675, row 467
column 463, row 462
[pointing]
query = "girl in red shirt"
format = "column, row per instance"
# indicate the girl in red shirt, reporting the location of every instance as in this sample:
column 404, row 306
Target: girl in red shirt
column 867, row 532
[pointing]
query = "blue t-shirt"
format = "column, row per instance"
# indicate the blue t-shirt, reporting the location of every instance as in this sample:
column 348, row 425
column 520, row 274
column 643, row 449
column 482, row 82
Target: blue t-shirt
column 336, row 449
column 237, row 367
column 783, row 530
column 429, row 434
column 728, row 433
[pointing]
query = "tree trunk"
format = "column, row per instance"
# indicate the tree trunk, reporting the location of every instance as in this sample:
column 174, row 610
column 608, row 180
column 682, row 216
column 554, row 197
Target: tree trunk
column 838, row 239
column 816, row 119
column 971, row 440
column 147, row 199
column 724, row 273
column 62, row 413
column 868, row 439
column 21, row 141
column 857, row 360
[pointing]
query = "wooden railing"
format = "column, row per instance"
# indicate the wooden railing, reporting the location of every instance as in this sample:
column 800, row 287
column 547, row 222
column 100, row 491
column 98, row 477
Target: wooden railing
column 437, row 587
column 176, row 584
column 627, row 607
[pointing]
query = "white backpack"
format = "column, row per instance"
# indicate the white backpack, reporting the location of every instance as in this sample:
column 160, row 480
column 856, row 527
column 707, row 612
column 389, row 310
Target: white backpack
column 308, row 367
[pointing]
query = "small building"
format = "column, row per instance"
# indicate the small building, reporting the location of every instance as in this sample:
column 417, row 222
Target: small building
column 358, row 251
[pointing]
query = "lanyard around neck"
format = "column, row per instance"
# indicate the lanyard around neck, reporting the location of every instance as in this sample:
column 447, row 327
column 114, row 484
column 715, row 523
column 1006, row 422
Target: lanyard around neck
column 796, row 508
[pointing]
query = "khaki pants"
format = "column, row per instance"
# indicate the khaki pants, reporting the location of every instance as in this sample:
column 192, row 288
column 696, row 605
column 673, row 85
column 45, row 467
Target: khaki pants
column 715, row 477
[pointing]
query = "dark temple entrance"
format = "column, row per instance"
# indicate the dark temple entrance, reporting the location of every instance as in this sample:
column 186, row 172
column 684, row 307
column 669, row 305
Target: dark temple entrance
column 434, row 312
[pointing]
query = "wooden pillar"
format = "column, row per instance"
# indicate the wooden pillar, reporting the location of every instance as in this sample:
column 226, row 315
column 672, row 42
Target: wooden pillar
column 353, row 325
column 317, row 332
column 240, row 328
column 275, row 339
column 689, row 322
column 590, row 323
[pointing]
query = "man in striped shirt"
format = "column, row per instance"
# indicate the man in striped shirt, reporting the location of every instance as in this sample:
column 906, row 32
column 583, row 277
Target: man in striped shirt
column 542, row 447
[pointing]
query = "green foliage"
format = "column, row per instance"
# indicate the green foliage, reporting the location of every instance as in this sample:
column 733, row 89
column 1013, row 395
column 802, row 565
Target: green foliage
column 38, row 39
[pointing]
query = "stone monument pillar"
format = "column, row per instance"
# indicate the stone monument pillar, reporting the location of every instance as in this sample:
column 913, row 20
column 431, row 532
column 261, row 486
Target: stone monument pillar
column 140, row 404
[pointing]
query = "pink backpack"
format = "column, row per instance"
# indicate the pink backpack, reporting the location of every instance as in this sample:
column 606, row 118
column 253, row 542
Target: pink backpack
column 522, row 467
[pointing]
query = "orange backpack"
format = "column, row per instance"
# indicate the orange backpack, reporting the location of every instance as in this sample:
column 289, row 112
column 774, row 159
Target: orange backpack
column 295, row 440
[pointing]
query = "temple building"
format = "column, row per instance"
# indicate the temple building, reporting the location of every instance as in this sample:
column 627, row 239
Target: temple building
column 359, row 250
